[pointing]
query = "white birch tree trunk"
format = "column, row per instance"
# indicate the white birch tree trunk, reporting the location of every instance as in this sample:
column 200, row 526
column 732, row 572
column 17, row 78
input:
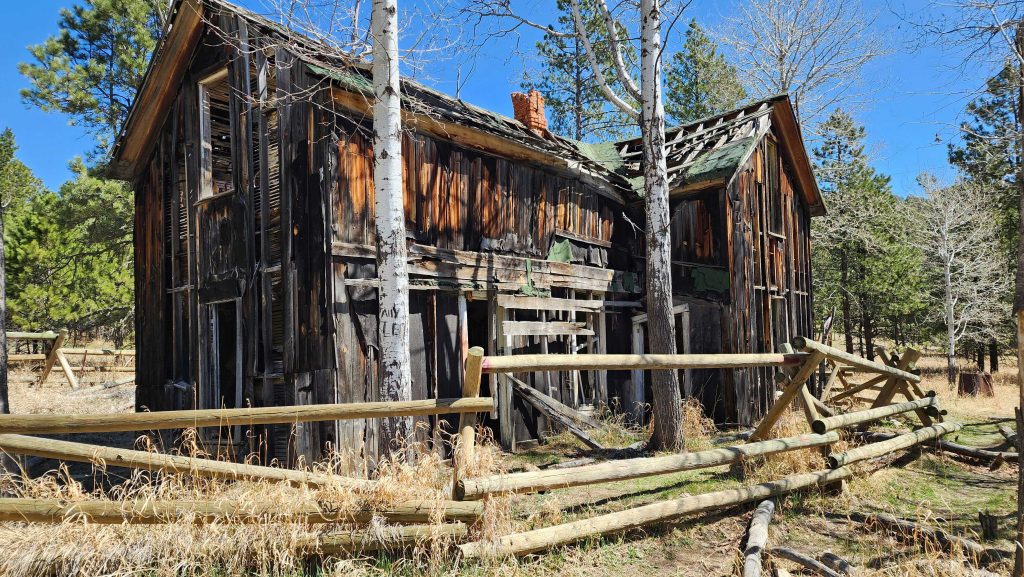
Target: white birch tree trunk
column 947, row 277
column 668, row 429
column 392, row 266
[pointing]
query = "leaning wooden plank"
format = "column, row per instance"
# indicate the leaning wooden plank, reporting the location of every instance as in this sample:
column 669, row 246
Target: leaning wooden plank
column 102, row 423
column 381, row 539
column 807, row 345
column 547, row 537
column 858, row 417
column 69, row 373
column 569, row 425
column 157, row 512
column 51, row 355
column 815, row 566
column 794, row 387
column 533, row 481
column 114, row 457
column 552, row 404
column 918, row 532
column 757, row 538
column 549, row 328
column 862, row 452
column 528, row 363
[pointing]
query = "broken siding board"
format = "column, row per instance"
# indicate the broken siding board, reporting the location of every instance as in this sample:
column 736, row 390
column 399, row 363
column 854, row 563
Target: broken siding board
column 550, row 328
column 549, row 303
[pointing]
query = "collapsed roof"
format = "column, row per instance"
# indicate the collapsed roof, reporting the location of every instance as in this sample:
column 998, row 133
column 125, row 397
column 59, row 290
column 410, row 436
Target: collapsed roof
column 700, row 154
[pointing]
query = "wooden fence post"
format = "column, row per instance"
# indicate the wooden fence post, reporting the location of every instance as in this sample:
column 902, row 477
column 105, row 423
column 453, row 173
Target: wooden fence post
column 467, row 421
column 798, row 382
column 51, row 355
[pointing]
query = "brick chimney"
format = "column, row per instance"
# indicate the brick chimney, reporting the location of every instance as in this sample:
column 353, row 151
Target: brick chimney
column 529, row 109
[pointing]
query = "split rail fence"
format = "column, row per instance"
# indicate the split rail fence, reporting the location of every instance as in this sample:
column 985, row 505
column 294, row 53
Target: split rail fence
column 47, row 351
column 796, row 365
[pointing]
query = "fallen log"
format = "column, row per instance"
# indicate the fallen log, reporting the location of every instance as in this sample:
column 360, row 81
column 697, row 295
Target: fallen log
column 382, row 539
column 147, row 512
column 916, row 531
column 660, row 511
column 837, row 563
column 114, row 422
column 757, row 538
column 958, row 449
column 822, row 426
column 897, row 443
column 533, row 481
column 803, row 560
column 114, row 457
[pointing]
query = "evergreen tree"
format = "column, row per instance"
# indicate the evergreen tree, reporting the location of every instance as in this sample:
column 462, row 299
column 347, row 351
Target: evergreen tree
column 864, row 265
column 575, row 105
column 990, row 154
column 16, row 184
column 698, row 81
column 92, row 67
column 70, row 258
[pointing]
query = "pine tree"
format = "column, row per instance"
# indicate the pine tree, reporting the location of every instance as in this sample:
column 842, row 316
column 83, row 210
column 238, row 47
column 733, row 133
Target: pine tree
column 990, row 154
column 92, row 67
column 16, row 184
column 698, row 80
column 575, row 105
column 864, row 265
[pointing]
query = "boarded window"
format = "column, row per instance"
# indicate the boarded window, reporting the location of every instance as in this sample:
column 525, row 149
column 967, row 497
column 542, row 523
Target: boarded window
column 215, row 135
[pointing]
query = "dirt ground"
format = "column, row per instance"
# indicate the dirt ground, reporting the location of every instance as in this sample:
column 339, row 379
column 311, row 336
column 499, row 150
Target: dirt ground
column 934, row 489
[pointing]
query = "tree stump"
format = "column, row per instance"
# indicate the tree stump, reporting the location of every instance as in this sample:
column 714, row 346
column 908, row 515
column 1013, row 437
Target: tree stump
column 974, row 384
column 989, row 526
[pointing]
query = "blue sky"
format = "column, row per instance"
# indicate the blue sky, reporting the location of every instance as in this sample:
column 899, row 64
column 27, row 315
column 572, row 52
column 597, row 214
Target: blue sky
column 913, row 102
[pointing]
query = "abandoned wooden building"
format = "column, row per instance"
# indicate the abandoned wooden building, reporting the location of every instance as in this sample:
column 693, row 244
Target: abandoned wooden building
column 254, row 245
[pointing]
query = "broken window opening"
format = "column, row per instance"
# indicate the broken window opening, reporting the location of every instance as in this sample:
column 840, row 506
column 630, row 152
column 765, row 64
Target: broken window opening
column 217, row 170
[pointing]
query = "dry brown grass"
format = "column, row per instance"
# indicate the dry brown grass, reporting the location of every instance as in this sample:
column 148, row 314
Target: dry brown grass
column 228, row 546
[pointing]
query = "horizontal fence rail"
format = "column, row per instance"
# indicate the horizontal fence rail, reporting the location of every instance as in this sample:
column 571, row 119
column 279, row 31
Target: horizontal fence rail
column 149, row 461
column 114, row 422
column 155, row 512
column 807, row 345
column 562, row 362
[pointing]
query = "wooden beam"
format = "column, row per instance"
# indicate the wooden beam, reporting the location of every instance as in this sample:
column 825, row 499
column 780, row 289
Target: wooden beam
column 807, row 345
column 901, row 442
column 51, row 355
column 620, row 470
column 550, row 303
column 114, row 457
column 797, row 382
column 103, row 423
column 530, row 363
column 148, row 511
column 657, row 512
column 549, row 328
column 538, row 401
column 379, row 539
column 69, row 373
column 821, row 426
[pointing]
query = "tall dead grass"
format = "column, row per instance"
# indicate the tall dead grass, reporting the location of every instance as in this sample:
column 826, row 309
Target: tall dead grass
column 274, row 545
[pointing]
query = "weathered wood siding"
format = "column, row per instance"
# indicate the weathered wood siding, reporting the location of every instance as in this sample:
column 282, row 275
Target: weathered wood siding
column 770, row 269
